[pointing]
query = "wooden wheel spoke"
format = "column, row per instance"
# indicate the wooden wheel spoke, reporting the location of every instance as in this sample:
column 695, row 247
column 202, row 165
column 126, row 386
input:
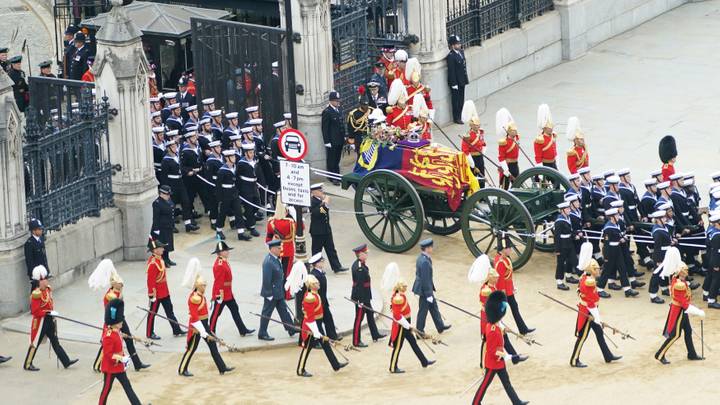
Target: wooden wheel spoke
column 483, row 238
column 384, row 228
column 400, row 221
column 372, row 228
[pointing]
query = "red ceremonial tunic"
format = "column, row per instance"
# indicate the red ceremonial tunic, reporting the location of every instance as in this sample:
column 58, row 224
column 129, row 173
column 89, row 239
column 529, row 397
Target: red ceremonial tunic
column 412, row 90
column 508, row 149
column 577, row 158
column 284, row 230
column 494, row 341
column 587, row 291
column 681, row 294
column 400, row 309
column 312, row 311
column 485, row 292
column 112, row 344
column 109, row 296
column 197, row 306
column 222, row 283
column 473, row 143
column 668, row 169
column 545, row 148
column 41, row 302
column 399, row 117
column 504, row 268
column 157, row 278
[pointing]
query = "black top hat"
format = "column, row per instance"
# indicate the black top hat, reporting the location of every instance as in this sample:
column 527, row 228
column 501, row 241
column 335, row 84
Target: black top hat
column 504, row 242
column 453, row 39
column 114, row 312
column 35, row 224
column 71, row 30
column 154, row 244
column 667, row 148
column 221, row 246
column 496, row 306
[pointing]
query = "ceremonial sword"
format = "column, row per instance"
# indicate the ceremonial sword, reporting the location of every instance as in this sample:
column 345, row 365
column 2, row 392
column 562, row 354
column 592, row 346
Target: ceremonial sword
column 146, row 342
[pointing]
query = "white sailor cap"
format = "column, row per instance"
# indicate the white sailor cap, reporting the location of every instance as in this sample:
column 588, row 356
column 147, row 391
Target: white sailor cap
column 658, row 214
column 172, row 133
column 228, row 152
column 255, row 121
column 688, row 175
column 623, row 172
column 174, row 106
column 168, row 96
column 215, row 113
column 231, row 115
column 572, row 197
column 279, row 124
column 214, row 144
column 611, row 211
column 316, row 186
column 275, row 64
column 676, row 176
column 574, row 176
column 191, row 108
column 608, row 173
column 252, row 108
column 158, row 130
column 170, row 142
column 715, row 218
column 583, row 170
column 688, row 181
column 716, row 194
column 246, row 130
column 665, row 206
column 191, row 128
column 663, row 185
column 208, row 101
column 598, row 177
column 616, row 203
column 288, row 116
column 655, row 173
column 715, row 176
column 650, row 182
column 204, row 121
column 714, row 185
column 563, row 205
column 189, row 134
column 75, row 105
column 154, row 114
column 613, row 179
column 248, row 146
column 235, row 137
column 155, row 99
column 315, row 258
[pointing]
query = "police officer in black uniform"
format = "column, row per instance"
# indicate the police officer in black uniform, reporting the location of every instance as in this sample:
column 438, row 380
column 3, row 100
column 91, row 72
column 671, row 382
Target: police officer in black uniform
column 21, row 90
column 158, row 145
column 212, row 165
column 78, row 63
column 184, row 97
column 320, row 230
column 247, row 185
column 457, row 76
column 362, row 293
column 163, row 222
column 172, row 176
column 35, row 254
column 333, row 133
column 68, row 49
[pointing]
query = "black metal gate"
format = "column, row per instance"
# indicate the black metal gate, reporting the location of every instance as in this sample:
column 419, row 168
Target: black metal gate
column 359, row 29
column 242, row 65
column 66, row 152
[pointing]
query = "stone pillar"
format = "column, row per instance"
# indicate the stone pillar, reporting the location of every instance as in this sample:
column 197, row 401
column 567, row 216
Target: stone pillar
column 573, row 28
column 426, row 19
column 313, row 69
column 121, row 73
column 13, row 222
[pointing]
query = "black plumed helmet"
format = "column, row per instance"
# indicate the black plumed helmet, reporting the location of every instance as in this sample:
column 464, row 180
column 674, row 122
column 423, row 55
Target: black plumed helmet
column 114, row 312
column 496, row 306
column 667, row 148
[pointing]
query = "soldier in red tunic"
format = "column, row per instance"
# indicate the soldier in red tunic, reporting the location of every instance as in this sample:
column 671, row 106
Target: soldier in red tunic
column 402, row 330
column 282, row 227
column 310, row 333
column 105, row 276
column 495, row 355
column 114, row 359
column 545, row 143
column 399, row 113
column 508, row 147
column 504, row 268
column 43, row 321
column 473, row 142
column 588, row 312
column 158, row 291
column 198, row 322
column 388, row 60
column 222, row 290
column 577, row 155
column 668, row 154
column 413, row 72
column 677, row 321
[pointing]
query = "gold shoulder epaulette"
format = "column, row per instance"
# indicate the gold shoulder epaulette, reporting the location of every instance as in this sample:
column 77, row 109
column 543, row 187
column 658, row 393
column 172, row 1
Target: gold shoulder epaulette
column 110, row 295
column 309, row 298
column 485, row 291
column 196, row 298
column 540, row 139
column 109, row 332
column 398, row 299
column 590, row 282
column 502, row 141
column 388, row 109
column 36, row 294
column 680, row 286
column 571, row 151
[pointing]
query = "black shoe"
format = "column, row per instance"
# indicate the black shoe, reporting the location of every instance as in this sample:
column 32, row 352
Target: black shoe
column 650, row 265
column 519, row 358
column 429, row 363
column 191, row 228
column 340, row 270
column 705, row 297
column 244, row 236
column 714, row 305
column 397, row 371
column 266, row 338
column 305, row 374
column 604, row 294
column 613, row 358
column 446, row 327
column 695, row 358
column 631, row 293
column 32, row 368
column 637, row 284
column 578, row 364
column 614, row 286
column 360, row 344
column 528, row 331
column 563, row 287
column 657, row 300
column 524, row 402
column 170, row 263
column 181, row 333
column 186, row 374
column 664, row 361
column 175, row 230
column 220, row 235
column 142, row 366
column 317, row 345
column 196, row 215
column 71, row 362
column 292, row 332
column 341, row 365
column 5, row 359
column 638, row 274
column 227, row 370
column 571, row 280
column 259, row 216
column 154, row 337
column 381, row 336
column 459, row 122
column 665, row 293
column 254, row 232
column 248, row 332
column 694, row 285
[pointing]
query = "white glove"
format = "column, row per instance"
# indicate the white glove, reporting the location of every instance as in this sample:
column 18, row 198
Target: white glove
column 403, row 322
column 156, row 232
column 125, row 360
column 454, row 87
column 54, row 313
column 315, row 331
column 200, row 328
column 267, row 157
column 470, row 160
column 219, row 300
column 268, row 298
column 430, row 299
column 693, row 310
column 507, row 357
column 352, row 146
column 595, row 312
column 152, row 299
column 505, row 169
column 327, row 145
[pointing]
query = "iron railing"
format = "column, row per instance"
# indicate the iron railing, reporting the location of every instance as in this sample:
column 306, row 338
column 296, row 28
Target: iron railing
column 475, row 21
column 66, row 153
column 359, row 29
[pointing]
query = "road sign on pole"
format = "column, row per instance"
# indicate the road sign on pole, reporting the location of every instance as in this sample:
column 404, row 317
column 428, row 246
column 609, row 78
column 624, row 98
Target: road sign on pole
column 295, row 183
column 293, row 144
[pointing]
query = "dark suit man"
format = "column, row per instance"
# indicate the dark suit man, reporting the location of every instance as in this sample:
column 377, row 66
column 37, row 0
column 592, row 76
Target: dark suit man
column 333, row 132
column 320, row 231
column 424, row 288
column 35, row 254
column 163, row 222
column 327, row 324
column 362, row 293
column 457, row 76
column 273, row 291
column 184, row 97
column 78, row 63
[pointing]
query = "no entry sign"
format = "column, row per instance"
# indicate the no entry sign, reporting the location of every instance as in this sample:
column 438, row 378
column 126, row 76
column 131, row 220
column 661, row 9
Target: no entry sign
column 293, row 145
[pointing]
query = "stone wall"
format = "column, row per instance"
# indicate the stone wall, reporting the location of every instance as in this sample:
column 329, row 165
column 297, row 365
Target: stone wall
column 72, row 252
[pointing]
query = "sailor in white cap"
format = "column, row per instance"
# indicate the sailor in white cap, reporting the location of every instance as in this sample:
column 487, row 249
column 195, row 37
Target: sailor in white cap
column 155, row 103
column 712, row 280
column 170, row 98
column 213, row 163
column 231, row 128
column 174, row 121
column 191, row 117
column 216, row 124
column 227, row 194
column 662, row 240
column 247, row 185
column 208, row 105
column 158, row 146
column 156, row 119
column 564, row 248
column 613, row 238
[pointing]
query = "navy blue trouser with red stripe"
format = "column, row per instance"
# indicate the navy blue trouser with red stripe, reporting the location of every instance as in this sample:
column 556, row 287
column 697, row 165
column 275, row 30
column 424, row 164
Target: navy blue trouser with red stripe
column 504, row 378
column 107, row 386
column 360, row 313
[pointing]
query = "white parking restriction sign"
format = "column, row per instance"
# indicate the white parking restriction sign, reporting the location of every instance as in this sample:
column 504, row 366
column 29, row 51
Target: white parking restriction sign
column 295, row 183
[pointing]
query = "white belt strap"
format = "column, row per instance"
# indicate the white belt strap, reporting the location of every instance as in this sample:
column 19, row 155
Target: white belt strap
column 253, row 179
column 228, row 185
column 173, row 176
